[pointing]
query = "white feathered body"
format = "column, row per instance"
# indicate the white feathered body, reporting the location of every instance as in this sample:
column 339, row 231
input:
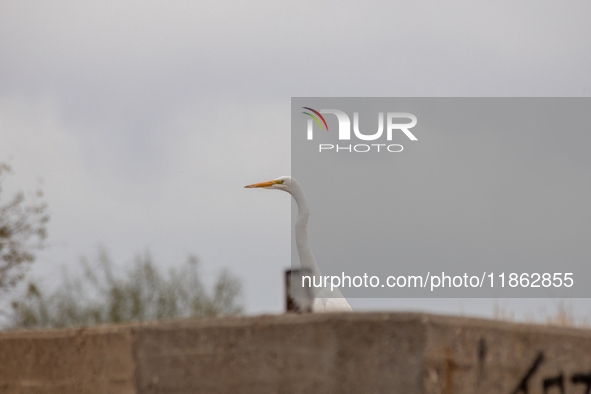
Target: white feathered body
column 325, row 300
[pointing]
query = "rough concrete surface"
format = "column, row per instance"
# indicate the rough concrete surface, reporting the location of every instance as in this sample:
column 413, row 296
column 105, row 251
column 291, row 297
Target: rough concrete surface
column 98, row 360
column 328, row 353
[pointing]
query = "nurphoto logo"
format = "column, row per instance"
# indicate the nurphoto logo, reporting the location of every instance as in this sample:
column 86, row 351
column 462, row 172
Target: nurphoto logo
column 344, row 132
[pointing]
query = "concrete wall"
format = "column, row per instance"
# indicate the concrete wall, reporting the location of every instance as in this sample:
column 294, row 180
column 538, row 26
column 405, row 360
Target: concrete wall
column 339, row 353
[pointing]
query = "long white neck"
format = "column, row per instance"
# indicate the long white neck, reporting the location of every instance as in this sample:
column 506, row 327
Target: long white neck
column 301, row 229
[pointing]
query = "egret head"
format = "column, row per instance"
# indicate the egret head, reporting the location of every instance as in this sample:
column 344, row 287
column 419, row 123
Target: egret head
column 281, row 183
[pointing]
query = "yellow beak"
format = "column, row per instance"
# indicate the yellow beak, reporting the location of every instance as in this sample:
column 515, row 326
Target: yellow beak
column 264, row 184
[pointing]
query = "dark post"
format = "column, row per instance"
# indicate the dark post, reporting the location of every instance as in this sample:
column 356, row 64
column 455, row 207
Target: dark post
column 298, row 299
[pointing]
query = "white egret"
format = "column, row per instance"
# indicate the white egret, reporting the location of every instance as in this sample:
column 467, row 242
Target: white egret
column 325, row 300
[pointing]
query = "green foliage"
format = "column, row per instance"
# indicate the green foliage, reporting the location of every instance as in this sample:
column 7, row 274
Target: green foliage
column 22, row 231
column 143, row 294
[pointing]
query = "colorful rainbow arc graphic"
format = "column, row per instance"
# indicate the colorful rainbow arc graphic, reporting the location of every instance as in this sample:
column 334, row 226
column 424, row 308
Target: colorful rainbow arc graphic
column 315, row 118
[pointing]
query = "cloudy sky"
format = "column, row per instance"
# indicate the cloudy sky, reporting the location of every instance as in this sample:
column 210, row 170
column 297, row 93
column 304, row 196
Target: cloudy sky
column 144, row 119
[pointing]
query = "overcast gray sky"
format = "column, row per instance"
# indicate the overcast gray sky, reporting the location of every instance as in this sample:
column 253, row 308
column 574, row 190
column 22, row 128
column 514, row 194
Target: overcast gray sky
column 146, row 118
